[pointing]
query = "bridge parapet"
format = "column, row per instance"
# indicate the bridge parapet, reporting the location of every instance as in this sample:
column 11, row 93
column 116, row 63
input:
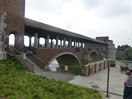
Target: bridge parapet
column 96, row 66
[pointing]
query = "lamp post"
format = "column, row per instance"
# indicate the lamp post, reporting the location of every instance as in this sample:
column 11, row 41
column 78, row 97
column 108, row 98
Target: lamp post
column 107, row 92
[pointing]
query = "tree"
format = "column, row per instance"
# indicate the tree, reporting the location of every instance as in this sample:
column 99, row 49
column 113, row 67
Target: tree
column 128, row 54
column 122, row 47
column 124, row 52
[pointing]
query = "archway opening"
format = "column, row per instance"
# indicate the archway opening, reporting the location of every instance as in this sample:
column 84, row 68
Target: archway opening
column 104, row 54
column 32, row 42
column 26, row 41
column 11, row 40
column 15, row 40
column 41, row 42
column 54, row 66
column 59, row 62
column 94, row 56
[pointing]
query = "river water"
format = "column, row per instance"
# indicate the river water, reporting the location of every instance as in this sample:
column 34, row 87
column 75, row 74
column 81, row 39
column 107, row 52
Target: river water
column 123, row 62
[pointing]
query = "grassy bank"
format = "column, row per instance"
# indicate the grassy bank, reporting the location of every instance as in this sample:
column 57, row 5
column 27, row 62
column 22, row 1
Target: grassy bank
column 16, row 83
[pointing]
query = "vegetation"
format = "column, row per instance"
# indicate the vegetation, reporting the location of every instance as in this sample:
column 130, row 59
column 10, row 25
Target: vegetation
column 124, row 52
column 128, row 54
column 122, row 47
column 15, row 83
column 76, row 69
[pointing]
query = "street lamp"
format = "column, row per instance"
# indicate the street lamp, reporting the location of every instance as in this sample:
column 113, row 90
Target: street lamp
column 107, row 92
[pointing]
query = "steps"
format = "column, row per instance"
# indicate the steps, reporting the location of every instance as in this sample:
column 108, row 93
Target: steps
column 28, row 64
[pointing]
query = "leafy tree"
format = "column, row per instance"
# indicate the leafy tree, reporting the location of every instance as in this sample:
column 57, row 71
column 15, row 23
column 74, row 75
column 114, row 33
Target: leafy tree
column 128, row 54
column 122, row 47
column 124, row 52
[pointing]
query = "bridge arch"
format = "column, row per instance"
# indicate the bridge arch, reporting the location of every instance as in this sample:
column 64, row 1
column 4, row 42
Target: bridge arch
column 94, row 55
column 18, row 40
column 13, row 38
column 65, row 58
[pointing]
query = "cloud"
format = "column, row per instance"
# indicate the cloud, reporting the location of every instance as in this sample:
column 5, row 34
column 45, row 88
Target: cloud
column 113, row 8
column 91, row 3
column 46, row 6
column 92, row 18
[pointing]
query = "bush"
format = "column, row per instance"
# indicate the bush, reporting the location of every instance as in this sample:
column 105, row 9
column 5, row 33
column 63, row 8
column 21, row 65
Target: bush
column 76, row 69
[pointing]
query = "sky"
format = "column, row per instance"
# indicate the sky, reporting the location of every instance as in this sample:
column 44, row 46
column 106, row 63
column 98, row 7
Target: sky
column 91, row 18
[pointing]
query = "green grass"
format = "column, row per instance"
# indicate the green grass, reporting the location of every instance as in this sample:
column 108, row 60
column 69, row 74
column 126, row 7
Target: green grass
column 16, row 83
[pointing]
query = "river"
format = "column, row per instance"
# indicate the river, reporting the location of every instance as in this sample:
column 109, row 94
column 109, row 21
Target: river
column 123, row 62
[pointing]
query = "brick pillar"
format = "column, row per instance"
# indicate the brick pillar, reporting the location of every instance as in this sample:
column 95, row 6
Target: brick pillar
column 15, row 10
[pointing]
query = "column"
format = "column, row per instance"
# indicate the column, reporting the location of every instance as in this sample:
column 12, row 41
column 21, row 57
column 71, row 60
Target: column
column 30, row 41
column 70, row 43
column 60, row 43
column 47, row 41
column 75, row 43
column 36, row 40
column 64, row 43
column 51, row 43
column 57, row 41
column 82, row 44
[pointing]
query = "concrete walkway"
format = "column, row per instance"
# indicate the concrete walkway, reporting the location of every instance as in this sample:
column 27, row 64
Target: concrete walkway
column 99, row 82
column 56, row 75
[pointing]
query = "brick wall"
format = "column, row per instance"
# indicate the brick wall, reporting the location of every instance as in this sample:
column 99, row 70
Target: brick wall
column 14, row 10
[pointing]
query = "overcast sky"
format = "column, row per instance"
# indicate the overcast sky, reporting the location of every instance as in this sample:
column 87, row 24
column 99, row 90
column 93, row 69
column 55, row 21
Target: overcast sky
column 91, row 18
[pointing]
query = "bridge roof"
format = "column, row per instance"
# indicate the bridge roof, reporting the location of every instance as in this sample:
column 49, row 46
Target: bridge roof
column 43, row 26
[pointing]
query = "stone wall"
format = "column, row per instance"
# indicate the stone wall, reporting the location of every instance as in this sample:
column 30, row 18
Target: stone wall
column 111, row 47
column 92, row 68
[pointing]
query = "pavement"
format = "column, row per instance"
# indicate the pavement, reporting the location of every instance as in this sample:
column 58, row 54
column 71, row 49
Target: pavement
column 99, row 81
column 57, row 75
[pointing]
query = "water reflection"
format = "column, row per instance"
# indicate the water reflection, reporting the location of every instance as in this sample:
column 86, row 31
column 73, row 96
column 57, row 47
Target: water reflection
column 123, row 62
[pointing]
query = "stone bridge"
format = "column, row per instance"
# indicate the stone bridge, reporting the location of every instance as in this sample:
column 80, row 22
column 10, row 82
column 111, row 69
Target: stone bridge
column 49, row 42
